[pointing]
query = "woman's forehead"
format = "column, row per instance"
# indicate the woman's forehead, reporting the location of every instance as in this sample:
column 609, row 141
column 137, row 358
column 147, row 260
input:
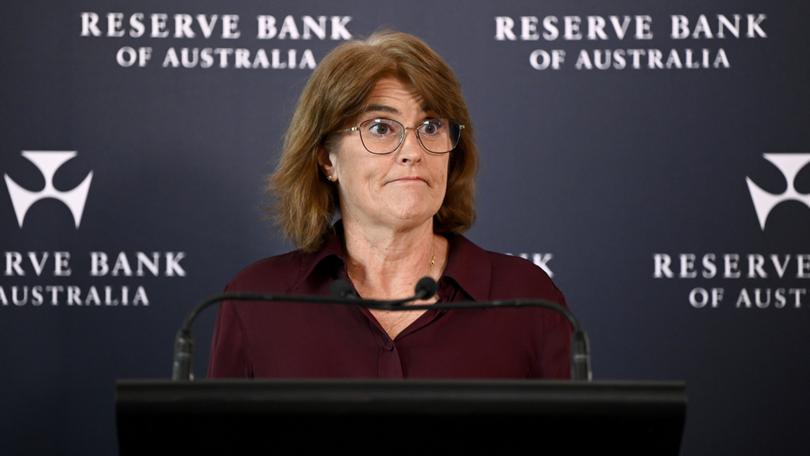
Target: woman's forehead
column 392, row 89
column 393, row 95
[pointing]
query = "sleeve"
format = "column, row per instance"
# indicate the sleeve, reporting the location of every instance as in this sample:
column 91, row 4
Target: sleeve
column 554, row 344
column 549, row 332
column 229, row 354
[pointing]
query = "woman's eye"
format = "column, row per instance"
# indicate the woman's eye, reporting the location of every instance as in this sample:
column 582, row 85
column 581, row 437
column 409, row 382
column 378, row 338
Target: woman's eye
column 432, row 127
column 380, row 128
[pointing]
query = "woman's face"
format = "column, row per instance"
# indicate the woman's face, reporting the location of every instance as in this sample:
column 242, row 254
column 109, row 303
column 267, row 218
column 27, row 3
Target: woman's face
column 400, row 190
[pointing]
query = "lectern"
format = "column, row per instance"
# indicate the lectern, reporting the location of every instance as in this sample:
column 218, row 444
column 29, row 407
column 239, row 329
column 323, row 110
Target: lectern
column 376, row 416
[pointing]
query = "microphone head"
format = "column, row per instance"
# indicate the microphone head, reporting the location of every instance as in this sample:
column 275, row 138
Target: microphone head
column 342, row 289
column 426, row 287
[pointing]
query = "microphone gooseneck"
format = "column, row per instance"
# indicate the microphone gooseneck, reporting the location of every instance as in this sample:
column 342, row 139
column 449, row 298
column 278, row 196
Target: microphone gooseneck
column 343, row 293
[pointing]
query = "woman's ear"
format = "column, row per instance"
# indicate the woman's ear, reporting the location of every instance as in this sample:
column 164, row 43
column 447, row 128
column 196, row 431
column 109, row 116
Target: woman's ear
column 325, row 163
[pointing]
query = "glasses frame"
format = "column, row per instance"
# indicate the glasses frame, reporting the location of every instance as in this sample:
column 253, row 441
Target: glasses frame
column 403, row 133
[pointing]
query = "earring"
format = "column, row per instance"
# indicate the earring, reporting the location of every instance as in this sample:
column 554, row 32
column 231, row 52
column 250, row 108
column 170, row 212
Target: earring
column 332, row 177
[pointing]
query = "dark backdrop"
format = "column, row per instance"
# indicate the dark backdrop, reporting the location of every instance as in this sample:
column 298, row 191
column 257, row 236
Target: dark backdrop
column 600, row 169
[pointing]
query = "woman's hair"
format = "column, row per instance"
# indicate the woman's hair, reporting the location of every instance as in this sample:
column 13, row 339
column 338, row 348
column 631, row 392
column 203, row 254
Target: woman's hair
column 333, row 98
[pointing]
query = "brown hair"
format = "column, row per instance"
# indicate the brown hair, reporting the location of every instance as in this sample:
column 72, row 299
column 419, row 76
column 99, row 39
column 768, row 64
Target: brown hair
column 333, row 98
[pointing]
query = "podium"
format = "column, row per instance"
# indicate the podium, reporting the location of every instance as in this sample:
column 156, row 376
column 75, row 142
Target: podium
column 379, row 416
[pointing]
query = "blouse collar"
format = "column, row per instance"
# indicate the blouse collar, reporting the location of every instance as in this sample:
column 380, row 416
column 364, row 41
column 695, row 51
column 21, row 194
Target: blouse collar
column 467, row 264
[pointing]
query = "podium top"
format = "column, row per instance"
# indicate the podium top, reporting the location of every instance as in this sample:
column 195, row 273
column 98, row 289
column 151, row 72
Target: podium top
column 366, row 415
column 394, row 396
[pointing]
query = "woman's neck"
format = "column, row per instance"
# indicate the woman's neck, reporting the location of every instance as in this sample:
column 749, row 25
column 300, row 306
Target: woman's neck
column 386, row 263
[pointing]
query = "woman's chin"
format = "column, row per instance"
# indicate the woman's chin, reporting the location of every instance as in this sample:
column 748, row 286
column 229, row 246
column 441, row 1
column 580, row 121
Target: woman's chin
column 410, row 218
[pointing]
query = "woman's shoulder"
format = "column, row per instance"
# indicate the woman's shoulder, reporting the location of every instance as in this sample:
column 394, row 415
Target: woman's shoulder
column 521, row 275
column 283, row 273
column 273, row 273
column 511, row 276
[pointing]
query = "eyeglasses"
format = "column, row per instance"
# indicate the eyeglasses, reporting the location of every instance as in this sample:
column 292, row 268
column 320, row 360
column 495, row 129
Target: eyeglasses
column 382, row 136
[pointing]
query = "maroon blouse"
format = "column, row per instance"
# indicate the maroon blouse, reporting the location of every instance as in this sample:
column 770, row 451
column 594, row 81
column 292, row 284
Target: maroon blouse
column 303, row 340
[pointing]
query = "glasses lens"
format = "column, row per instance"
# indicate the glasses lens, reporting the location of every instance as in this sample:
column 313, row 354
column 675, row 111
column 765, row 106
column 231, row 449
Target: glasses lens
column 381, row 136
column 439, row 135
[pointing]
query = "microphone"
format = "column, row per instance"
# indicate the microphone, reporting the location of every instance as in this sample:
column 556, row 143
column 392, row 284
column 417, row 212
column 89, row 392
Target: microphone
column 426, row 287
column 342, row 289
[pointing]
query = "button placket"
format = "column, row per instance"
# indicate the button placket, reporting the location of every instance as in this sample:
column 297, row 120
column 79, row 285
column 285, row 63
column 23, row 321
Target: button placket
column 389, row 365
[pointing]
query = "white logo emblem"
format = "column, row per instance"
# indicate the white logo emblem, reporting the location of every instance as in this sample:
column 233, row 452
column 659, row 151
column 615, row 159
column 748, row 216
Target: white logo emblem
column 48, row 162
column 789, row 165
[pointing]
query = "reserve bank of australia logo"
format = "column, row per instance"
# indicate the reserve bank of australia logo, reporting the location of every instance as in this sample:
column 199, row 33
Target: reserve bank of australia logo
column 789, row 165
column 48, row 162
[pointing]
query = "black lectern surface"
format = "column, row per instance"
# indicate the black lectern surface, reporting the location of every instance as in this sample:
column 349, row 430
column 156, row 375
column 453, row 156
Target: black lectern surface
column 380, row 416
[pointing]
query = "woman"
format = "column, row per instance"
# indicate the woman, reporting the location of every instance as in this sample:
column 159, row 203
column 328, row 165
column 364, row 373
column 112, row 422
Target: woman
column 381, row 136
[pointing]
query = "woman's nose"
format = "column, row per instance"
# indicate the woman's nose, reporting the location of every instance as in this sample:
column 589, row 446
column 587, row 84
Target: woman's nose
column 410, row 150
